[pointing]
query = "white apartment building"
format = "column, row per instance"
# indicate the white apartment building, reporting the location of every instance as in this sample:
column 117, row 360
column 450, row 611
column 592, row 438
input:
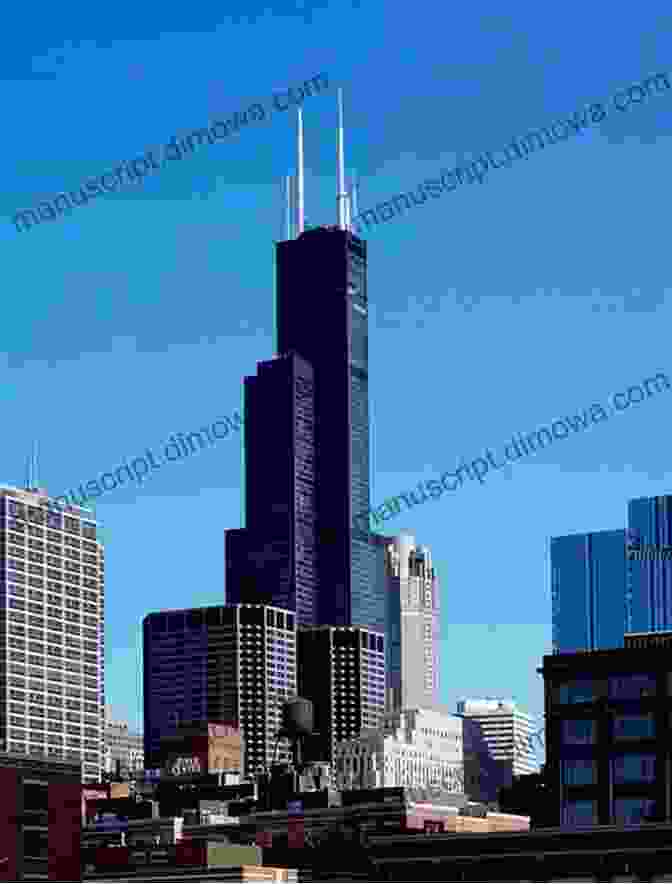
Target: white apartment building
column 51, row 630
column 124, row 751
column 505, row 730
column 413, row 747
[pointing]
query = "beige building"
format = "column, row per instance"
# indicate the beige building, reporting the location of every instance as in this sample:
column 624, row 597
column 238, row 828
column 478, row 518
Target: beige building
column 413, row 747
column 124, row 751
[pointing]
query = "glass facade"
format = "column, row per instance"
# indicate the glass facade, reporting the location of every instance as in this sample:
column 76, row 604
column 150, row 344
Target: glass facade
column 649, row 596
column 588, row 591
column 322, row 315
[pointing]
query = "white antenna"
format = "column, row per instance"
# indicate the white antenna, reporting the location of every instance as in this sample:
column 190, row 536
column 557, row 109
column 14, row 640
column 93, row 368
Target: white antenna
column 288, row 205
column 299, row 173
column 341, row 195
column 354, row 191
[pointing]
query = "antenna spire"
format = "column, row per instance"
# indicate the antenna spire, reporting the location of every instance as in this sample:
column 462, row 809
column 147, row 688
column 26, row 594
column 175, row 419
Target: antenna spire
column 299, row 173
column 341, row 195
column 288, row 205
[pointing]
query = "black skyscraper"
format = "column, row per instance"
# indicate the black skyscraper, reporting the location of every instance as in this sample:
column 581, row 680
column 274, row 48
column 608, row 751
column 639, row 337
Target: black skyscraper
column 322, row 320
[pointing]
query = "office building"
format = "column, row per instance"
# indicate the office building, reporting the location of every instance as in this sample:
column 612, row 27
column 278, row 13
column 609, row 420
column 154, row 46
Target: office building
column 342, row 670
column 52, row 642
column 321, row 319
column 609, row 733
column 273, row 559
column 412, row 621
column 40, row 818
column 504, row 732
column 230, row 664
column 411, row 747
column 649, row 598
column 588, row 591
column 124, row 750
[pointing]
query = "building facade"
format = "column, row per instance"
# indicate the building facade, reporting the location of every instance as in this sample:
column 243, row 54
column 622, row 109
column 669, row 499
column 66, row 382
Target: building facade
column 609, row 732
column 342, row 671
column 588, row 591
column 413, row 747
column 273, row 560
column 52, row 600
column 40, row 818
column 498, row 745
column 412, row 622
column 322, row 315
column 231, row 664
column 124, row 750
column 649, row 579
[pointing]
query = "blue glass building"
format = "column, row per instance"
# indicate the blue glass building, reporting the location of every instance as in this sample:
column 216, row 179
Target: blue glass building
column 650, row 582
column 588, row 591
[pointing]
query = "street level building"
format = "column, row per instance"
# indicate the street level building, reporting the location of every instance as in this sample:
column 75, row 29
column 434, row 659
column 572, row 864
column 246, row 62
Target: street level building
column 412, row 747
column 52, row 640
column 234, row 665
column 342, row 671
column 609, row 732
column 40, row 818
column 412, row 621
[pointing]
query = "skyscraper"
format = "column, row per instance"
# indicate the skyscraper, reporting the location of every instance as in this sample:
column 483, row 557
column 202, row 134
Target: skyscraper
column 588, row 591
column 650, row 580
column 230, row 664
column 322, row 318
column 51, row 641
column 273, row 559
column 412, row 621
column 342, row 671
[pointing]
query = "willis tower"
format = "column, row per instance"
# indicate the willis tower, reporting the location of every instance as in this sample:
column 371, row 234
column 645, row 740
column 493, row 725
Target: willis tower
column 306, row 431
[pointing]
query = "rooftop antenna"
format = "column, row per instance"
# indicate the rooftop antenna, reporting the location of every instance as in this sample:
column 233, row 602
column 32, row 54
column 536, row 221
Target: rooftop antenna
column 341, row 195
column 299, row 173
column 288, row 205
column 31, row 469
column 354, row 191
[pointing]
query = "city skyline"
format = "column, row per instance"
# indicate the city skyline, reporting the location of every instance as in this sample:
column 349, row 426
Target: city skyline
column 147, row 310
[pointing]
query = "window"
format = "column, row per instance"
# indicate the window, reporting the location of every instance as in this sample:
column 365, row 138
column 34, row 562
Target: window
column 635, row 768
column 578, row 772
column 632, row 687
column 632, row 811
column 629, row 727
column 579, row 813
column 578, row 730
column 580, row 690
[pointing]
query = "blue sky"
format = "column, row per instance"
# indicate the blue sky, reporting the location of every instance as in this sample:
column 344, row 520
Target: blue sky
column 494, row 310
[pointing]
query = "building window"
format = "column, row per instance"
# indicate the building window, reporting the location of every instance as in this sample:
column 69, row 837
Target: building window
column 632, row 687
column 579, row 813
column 578, row 772
column 578, row 730
column 580, row 690
column 634, row 727
column 633, row 769
column 632, row 811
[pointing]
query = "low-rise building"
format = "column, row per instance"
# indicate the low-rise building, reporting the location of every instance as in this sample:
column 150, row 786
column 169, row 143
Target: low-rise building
column 413, row 747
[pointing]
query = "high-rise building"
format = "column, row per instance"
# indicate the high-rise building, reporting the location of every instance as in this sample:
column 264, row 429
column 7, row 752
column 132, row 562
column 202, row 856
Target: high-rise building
column 273, row 559
column 412, row 621
column 342, row 671
column 505, row 732
column 649, row 597
column 588, row 591
column 51, row 640
column 124, row 750
column 321, row 317
column 230, row 664
column 411, row 747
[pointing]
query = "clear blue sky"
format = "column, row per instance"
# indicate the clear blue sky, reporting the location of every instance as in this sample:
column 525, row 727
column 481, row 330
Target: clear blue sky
column 493, row 310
